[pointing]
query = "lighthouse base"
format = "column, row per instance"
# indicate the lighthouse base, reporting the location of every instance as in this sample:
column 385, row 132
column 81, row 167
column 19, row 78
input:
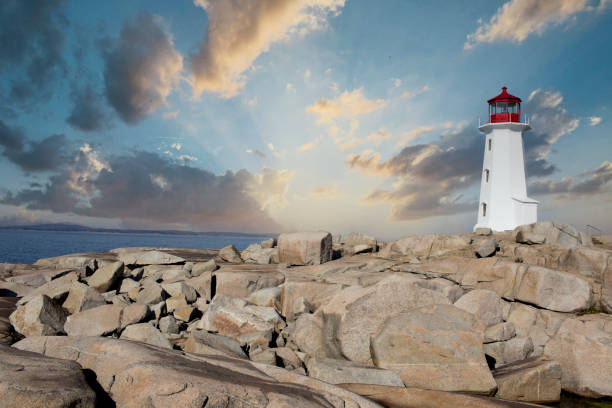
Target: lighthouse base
column 522, row 211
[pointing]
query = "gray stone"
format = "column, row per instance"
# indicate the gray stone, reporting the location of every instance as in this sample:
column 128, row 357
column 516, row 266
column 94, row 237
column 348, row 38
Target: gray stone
column 132, row 314
column 181, row 289
column 499, row 332
column 146, row 333
column 31, row 380
column 517, row 349
column 266, row 297
column 151, row 294
column 41, row 316
column 184, row 313
column 435, row 347
column 301, row 305
column 128, row 284
column 158, row 309
column 488, row 248
column 531, row 380
column 483, row 231
column 241, row 283
column 229, row 253
column 99, row 321
column 82, row 297
column 264, row 356
column 523, row 317
column 202, row 267
column 106, row 277
column 484, row 304
column 335, row 371
column 530, row 238
column 268, row 243
column 202, row 342
column 149, row 258
column 168, row 324
column 305, row 248
column 56, row 289
column 175, row 302
column 557, row 234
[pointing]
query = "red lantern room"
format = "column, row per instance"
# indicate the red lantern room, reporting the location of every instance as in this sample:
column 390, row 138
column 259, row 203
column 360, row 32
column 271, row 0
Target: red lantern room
column 504, row 108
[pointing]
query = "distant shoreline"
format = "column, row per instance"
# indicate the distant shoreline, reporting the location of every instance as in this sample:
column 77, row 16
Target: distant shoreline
column 81, row 228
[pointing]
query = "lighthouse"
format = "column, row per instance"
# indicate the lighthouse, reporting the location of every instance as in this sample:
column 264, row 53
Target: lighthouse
column 504, row 203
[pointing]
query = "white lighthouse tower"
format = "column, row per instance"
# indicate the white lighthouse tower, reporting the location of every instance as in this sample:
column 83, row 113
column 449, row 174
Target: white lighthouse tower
column 504, row 204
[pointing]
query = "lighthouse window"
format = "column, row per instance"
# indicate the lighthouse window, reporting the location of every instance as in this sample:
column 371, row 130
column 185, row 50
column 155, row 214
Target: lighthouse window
column 489, row 144
column 501, row 108
column 512, row 107
column 484, row 209
column 487, row 175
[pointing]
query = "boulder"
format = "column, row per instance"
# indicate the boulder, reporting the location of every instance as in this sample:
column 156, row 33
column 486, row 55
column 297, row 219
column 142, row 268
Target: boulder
column 99, row 321
column 484, row 304
column 355, row 243
column 151, row 294
column 310, row 337
column 31, row 380
column 230, row 254
column 202, row 342
column 435, row 347
column 336, row 371
column 531, row 380
column 523, row 318
column 138, row 374
column 483, row 231
column 134, row 313
column 169, row 325
column 315, row 293
column 516, row 349
column 258, row 255
column 266, row 297
column 127, row 285
column 499, row 332
column 149, row 258
column 7, row 306
column 185, row 313
column 305, row 248
column 557, row 234
column 56, row 289
column 426, row 246
column 241, row 283
column 583, row 347
column 106, row 277
column 175, row 302
column 268, row 243
column 487, row 248
column 70, row 261
column 530, row 238
column 554, row 290
column 81, row 297
column 370, row 308
column 146, row 333
column 201, row 267
column 41, row 316
column 247, row 324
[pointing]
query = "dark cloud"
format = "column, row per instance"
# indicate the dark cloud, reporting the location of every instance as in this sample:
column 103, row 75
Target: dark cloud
column 32, row 44
column 592, row 182
column 141, row 68
column 88, row 112
column 146, row 188
column 47, row 154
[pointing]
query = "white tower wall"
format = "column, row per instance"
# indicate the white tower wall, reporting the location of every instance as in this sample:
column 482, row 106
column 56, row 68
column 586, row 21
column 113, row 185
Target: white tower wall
column 504, row 189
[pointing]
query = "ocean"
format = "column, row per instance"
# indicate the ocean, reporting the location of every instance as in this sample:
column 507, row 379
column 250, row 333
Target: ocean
column 28, row 246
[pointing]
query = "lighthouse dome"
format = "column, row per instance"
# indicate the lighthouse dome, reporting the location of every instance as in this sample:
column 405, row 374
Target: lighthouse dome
column 504, row 108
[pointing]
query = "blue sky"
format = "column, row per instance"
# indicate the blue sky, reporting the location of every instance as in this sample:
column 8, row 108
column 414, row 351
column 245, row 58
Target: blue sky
column 272, row 115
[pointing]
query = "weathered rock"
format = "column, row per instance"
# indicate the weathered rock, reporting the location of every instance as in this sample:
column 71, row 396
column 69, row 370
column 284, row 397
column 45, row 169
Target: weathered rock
column 241, row 283
column 181, row 289
column 99, row 321
column 499, row 332
column 69, row 261
column 254, row 253
column 517, row 349
column 265, row 356
column 13, row 289
column 523, row 317
column 561, row 235
column 266, row 297
column 335, row 371
column 184, row 313
column 168, row 324
column 149, row 258
column 301, row 305
column 151, row 294
column 81, row 297
column 483, row 231
column 56, row 289
column 355, row 243
column 175, row 302
column 315, row 293
column 484, row 304
column 158, row 309
column 370, row 309
column 290, row 358
column 399, row 397
column 31, row 380
column 202, row 284
column 202, row 342
column 530, row 238
column 138, row 374
column 128, row 284
column 583, row 347
column 305, row 248
column 7, row 307
column 247, row 324
column 425, row 246
column 435, row 347
column 553, row 290
column 202, row 267
column 41, row 316
column 146, row 333
column 132, row 314
column 174, row 273
column 488, row 248
column 106, row 277
column 268, row 243
column 530, row 380
column 230, row 254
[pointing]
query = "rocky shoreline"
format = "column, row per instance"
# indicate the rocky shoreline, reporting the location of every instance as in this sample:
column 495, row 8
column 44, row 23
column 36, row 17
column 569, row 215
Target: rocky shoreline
column 310, row 320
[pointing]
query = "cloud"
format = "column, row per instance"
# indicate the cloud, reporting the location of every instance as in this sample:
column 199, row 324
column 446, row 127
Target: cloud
column 350, row 144
column 594, row 120
column 88, row 111
column 518, row 19
column 413, row 135
column 396, row 82
column 412, row 94
column 141, row 68
column 289, row 87
column 238, row 32
column 146, row 188
column 325, row 192
column 256, row 152
column 593, row 182
column 170, row 115
column 307, row 74
column 347, row 105
column 307, row 146
column 32, row 155
column 379, row 136
column 186, row 157
column 176, row 146
column 549, row 121
column 32, row 43
column 249, row 101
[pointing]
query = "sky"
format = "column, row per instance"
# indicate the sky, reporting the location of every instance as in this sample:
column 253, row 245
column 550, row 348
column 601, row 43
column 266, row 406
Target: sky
column 283, row 115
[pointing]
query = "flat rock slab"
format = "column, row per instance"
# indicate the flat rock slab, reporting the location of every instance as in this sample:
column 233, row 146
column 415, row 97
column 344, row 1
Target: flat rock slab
column 336, row 371
column 530, row 380
column 99, row 321
column 435, row 347
column 32, row 380
column 149, row 258
column 137, row 374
